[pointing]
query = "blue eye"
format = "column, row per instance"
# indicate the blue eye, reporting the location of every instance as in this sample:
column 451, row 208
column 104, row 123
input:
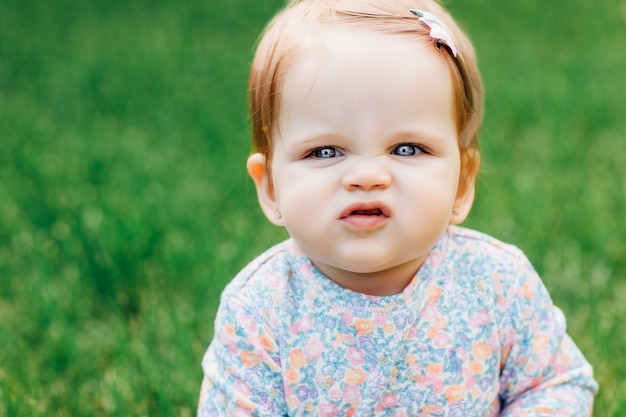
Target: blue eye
column 406, row 149
column 326, row 152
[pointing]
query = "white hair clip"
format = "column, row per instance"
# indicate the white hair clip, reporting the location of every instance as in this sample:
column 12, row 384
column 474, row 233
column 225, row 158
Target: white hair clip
column 438, row 31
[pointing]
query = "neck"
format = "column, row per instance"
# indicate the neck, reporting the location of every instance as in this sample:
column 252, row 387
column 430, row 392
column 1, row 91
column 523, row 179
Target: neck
column 386, row 282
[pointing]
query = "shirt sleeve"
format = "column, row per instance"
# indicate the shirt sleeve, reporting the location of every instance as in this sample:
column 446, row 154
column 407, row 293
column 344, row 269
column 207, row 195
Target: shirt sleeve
column 542, row 371
column 242, row 364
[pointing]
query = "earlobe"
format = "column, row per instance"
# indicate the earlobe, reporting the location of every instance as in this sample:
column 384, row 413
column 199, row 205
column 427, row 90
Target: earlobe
column 463, row 203
column 257, row 169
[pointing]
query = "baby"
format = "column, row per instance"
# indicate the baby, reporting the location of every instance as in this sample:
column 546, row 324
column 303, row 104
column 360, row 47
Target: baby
column 365, row 119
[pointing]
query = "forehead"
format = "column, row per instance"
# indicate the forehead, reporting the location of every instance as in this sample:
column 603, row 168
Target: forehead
column 358, row 83
column 364, row 63
column 360, row 53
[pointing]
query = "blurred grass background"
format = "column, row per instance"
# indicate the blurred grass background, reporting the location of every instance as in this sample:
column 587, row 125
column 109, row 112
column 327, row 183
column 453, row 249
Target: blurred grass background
column 125, row 207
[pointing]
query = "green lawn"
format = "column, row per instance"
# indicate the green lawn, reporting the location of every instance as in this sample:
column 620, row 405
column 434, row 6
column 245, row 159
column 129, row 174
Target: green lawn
column 125, row 207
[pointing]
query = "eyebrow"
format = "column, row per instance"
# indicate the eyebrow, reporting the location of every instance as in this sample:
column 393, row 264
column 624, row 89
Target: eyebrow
column 409, row 135
column 314, row 138
column 420, row 134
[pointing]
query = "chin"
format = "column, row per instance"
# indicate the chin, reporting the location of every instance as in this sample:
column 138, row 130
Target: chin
column 365, row 266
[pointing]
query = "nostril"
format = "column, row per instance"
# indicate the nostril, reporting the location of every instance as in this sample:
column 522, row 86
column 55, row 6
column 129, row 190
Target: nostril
column 367, row 175
column 367, row 182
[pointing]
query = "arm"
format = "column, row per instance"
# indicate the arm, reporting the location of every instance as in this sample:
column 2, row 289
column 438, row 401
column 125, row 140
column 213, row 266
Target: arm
column 542, row 372
column 242, row 365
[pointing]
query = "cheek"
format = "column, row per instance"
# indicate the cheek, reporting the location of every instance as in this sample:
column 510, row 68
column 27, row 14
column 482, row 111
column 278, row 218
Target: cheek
column 441, row 176
column 432, row 193
column 303, row 205
column 449, row 173
column 300, row 191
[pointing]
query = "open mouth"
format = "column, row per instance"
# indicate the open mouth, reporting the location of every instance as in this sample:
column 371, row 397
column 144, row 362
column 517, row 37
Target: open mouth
column 366, row 215
column 374, row 212
column 373, row 208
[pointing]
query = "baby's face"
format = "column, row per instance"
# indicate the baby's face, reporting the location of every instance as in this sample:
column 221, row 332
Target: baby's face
column 366, row 160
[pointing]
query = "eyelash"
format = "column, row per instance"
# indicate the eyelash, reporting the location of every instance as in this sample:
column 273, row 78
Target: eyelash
column 417, row 149
column 317, row 152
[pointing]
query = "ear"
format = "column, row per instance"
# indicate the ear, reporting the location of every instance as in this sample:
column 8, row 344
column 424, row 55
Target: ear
column 463, row 202
column 257, row 169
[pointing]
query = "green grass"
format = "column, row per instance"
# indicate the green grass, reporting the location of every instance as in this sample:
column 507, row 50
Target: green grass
column 125, row 207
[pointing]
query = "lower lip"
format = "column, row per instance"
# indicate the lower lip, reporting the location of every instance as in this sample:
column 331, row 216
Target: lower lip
column 361, row 221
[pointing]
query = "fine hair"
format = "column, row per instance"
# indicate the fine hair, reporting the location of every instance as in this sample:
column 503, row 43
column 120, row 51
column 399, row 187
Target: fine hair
column 302, row 22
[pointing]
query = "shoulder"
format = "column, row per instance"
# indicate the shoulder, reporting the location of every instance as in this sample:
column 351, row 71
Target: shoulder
column 262, row 283
column 488, row 262
column 472, row 241
column 467, row 248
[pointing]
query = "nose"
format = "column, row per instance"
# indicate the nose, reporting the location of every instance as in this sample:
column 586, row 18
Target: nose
column 367, row 175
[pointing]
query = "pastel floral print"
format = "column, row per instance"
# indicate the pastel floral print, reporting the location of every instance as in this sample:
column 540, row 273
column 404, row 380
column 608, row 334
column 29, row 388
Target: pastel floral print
column 474, row 334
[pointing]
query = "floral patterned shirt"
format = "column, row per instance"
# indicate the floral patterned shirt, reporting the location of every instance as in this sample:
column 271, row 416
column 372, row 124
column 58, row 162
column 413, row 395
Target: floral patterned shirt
column 474, row 334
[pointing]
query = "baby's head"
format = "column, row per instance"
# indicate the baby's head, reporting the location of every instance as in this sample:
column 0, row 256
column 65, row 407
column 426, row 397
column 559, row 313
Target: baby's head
column 366, row 134
column 302, row 23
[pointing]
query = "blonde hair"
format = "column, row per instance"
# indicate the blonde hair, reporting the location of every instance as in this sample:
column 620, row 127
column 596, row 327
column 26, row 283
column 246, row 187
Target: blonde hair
column 302, row 19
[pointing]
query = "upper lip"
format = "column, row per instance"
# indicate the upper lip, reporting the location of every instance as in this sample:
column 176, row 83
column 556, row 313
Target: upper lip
column 374, row 208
